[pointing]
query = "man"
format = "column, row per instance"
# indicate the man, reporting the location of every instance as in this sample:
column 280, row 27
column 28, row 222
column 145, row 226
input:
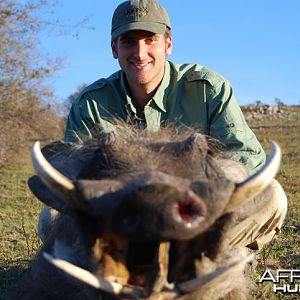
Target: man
column 150, row 92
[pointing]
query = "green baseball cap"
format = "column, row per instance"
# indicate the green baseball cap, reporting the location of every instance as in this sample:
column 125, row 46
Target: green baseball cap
column 146, row 15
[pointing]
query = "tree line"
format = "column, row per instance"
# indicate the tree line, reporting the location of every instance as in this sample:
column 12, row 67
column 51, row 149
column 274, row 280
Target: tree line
column 25, row 110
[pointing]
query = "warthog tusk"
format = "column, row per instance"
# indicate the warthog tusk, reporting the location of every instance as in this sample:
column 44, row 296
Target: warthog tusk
column 84, row 275
column 221, row 273
column 255, row 184
column 57, row 183
column 52, row 178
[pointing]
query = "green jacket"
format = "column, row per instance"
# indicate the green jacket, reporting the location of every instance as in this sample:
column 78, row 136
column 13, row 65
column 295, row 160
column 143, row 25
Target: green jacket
column 189, row 95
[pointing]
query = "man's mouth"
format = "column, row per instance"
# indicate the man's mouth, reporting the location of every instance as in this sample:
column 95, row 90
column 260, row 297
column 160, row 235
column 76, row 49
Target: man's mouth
column 140, row 65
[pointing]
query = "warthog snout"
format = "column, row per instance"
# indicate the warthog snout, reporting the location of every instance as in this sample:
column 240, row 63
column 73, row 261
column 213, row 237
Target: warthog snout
column 176, row 214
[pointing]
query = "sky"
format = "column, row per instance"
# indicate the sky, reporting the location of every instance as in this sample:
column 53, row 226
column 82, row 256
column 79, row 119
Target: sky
column 255, row 44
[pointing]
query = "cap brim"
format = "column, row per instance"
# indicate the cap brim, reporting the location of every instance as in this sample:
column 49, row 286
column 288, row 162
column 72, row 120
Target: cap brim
column 157, row 28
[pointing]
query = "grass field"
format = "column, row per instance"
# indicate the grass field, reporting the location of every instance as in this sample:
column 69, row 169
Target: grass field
column 284, row 252
column 19, row 210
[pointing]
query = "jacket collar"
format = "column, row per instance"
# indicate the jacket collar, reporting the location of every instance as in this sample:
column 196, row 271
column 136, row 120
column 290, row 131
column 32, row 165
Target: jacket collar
column 161, row 95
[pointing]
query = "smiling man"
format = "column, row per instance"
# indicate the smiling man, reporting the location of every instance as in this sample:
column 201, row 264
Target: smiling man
column 149, row 92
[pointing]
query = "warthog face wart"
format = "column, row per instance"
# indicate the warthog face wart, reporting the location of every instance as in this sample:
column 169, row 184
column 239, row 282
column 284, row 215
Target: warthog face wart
column 143, row 216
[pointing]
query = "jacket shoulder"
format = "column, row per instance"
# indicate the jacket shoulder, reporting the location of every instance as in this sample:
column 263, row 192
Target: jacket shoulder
column 197, row 72
column 101, row 84
column 203, row 73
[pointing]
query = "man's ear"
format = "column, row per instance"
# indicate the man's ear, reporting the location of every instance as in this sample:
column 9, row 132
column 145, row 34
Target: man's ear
column 169, row 45
column 114, row 49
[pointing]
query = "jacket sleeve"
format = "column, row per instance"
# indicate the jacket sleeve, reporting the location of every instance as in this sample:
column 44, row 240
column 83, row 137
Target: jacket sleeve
column 228, row 124
column 79, row 121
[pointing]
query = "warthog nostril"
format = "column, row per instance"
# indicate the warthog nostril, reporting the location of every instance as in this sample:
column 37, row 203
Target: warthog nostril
column 189, row 210
column 186, row 210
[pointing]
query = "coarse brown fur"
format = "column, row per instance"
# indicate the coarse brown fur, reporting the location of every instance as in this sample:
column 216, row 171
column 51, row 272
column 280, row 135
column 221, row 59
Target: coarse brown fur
column 186, row 159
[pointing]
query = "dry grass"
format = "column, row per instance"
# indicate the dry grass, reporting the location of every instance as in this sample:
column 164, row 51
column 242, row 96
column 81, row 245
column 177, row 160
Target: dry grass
column 284, row 252
column 18, row 219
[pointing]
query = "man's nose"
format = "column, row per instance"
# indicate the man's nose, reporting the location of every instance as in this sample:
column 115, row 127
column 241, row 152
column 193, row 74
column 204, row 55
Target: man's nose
column 140, row 49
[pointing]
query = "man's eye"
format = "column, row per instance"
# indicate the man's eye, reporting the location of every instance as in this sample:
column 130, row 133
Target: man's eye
column 127, row 42
column 151, row 40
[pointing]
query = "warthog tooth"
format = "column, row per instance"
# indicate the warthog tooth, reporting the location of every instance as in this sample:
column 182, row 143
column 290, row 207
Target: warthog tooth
column 221, row 274
column 84, row 275
column 256, row 183
column 163, row 266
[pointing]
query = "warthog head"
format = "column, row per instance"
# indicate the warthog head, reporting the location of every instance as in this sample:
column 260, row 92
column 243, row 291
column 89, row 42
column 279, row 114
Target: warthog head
column 143, row 216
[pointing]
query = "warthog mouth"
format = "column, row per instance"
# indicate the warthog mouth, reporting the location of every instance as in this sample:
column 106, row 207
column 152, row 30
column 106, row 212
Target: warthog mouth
column 146, row 270
column 141, row 260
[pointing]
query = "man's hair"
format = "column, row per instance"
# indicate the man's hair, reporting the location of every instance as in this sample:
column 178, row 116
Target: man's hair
column 167, row 33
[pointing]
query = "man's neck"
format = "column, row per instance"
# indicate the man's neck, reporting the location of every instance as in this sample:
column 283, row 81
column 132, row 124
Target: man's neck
column 141, row 96
column 142, row 93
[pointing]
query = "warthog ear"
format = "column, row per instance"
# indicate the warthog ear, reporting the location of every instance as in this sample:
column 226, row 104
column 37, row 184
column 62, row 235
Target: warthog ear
column 39, row 189
column 68, row 158
column 194, row 143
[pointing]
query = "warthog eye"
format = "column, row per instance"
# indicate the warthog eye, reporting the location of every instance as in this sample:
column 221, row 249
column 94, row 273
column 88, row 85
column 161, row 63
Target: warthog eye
column 131, row 222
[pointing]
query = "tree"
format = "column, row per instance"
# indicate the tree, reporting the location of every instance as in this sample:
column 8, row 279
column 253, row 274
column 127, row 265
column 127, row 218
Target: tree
column 23, row 73
column 22, row 63
column 71, row 98
column 279, row 102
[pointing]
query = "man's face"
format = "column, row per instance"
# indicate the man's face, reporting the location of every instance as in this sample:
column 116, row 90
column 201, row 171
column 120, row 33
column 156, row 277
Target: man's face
column 141, row 55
